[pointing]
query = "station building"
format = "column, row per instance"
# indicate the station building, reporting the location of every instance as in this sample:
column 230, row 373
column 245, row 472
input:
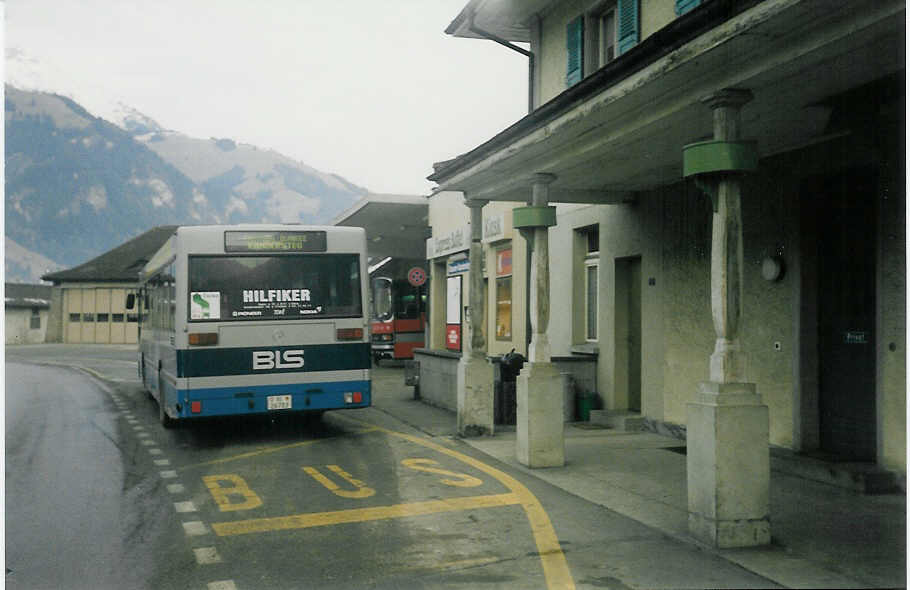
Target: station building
column 26, row 312
column 88, row 303
column 701, row 219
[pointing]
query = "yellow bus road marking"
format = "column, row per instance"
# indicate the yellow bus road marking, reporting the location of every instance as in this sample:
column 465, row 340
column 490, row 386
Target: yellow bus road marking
column 460, row 480
column 362, row 491
column 268, row 450
column 235, row 486
column 553, row 560
column 314, row 519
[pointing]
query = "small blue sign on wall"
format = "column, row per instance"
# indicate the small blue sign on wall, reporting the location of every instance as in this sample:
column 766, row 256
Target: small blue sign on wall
column 458, row 266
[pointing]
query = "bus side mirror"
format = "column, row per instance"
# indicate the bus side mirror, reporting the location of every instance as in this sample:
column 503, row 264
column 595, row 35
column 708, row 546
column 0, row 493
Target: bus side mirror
column 131, row 301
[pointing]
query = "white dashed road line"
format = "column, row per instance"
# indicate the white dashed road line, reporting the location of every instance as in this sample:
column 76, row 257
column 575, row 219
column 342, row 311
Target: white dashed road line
column 206, row 555
column 184, row 507
column 195, row 528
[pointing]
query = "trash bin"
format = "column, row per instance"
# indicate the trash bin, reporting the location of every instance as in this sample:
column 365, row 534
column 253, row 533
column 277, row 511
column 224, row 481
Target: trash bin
column 585, row 403
column 510, row 365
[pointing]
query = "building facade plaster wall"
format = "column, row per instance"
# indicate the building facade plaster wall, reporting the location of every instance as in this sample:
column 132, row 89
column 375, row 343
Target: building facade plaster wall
column 55, row 318
column 669, row 229
column 655, row 15
column 447, row 212
column 552, row 56
column 892, row 323
column 18, row 328
column 552, row 60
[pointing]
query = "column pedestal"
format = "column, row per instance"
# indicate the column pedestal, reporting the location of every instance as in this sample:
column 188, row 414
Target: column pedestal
column 728, row 466
column 540, row 441
column 475, row 396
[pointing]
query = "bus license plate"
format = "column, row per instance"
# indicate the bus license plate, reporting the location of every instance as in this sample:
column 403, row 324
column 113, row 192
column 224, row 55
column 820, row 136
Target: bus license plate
column 279, row 402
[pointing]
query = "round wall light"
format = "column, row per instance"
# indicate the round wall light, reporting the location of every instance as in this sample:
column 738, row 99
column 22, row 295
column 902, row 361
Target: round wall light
column 772, row 268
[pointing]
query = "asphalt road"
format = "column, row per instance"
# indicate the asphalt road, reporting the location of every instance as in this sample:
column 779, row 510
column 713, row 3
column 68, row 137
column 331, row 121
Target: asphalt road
column 71, row 521
column 99, row 495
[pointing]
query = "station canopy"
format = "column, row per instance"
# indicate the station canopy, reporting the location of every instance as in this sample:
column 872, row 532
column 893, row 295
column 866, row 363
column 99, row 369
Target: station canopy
column 396, row 225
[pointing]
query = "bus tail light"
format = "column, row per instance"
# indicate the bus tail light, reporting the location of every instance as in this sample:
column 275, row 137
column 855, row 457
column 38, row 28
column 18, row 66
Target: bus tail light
column 196, row 407
column 353, row 397
column 349, row 333
column 204, row 339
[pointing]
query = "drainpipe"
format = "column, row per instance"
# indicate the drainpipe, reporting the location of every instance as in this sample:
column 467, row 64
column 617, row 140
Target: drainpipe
column 487, row 35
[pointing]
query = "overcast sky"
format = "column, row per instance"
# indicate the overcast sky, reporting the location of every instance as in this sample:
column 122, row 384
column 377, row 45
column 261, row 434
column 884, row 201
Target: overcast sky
column 372, row 90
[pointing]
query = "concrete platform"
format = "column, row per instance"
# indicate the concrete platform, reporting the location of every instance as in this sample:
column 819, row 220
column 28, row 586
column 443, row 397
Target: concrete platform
column 823, row 536
column 618, row 420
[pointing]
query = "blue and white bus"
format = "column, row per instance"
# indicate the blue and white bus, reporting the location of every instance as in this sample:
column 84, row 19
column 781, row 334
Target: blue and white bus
column 252, row 319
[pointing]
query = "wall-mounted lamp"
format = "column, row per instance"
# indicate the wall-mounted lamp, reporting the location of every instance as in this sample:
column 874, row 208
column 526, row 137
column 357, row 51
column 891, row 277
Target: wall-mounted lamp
column 772, row 268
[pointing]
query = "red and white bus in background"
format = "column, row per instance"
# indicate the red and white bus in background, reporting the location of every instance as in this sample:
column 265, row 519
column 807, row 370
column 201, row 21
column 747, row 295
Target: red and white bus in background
column 399, row 291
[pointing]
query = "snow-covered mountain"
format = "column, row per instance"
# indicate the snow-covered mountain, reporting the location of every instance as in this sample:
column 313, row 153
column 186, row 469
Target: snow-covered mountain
column 25, row 72
column 82, row 177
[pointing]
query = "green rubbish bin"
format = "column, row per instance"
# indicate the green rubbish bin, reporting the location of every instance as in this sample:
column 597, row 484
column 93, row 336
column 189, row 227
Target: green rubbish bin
column 585, row 403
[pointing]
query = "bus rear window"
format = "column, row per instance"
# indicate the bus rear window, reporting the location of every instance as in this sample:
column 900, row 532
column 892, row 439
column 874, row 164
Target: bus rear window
column 233, row 288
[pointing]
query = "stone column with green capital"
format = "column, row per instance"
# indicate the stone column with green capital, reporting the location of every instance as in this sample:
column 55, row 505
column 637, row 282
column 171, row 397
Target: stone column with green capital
column 728, row 462
column 539, row 418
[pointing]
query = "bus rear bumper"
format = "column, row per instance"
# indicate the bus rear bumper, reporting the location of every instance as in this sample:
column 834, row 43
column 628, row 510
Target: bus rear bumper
column 302, row 397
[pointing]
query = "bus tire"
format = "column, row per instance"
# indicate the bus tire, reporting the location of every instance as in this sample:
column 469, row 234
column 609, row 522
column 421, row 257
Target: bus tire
column 165, row 420
column 145, row 386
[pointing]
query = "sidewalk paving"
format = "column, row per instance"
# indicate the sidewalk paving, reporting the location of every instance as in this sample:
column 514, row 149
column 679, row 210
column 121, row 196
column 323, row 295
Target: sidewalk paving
column 822, row 536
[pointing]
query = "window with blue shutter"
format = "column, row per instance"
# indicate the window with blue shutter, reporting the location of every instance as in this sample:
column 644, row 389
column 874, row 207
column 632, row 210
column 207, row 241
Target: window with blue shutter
column 628, row 24
column 684, row 6
column 575, row 50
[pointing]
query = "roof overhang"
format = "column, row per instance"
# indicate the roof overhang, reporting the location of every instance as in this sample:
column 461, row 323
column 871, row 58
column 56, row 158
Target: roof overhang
column 396, row 225
column 507, row 19
column 623, row 129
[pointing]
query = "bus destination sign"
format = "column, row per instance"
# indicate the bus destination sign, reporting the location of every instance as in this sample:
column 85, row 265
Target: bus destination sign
column 274, row 241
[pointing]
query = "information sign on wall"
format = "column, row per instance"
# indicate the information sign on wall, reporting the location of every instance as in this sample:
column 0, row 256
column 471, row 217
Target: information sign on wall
column 453, row 337
column 457, row 240
column 453, row 313
column 454, row 267
column 494, row 228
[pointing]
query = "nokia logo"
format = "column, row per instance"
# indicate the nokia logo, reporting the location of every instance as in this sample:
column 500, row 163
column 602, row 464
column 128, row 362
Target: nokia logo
column 276, row 359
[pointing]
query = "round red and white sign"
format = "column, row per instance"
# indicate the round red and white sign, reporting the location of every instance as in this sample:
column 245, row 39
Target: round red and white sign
column 417, row 276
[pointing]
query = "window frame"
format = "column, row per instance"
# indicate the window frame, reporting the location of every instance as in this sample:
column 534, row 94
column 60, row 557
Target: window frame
column 587, row 316
column 592, row 261
column 504, row 276
column 596, row 43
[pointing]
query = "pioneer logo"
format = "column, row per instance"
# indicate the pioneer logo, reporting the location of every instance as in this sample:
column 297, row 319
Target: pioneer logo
column 275, row 359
